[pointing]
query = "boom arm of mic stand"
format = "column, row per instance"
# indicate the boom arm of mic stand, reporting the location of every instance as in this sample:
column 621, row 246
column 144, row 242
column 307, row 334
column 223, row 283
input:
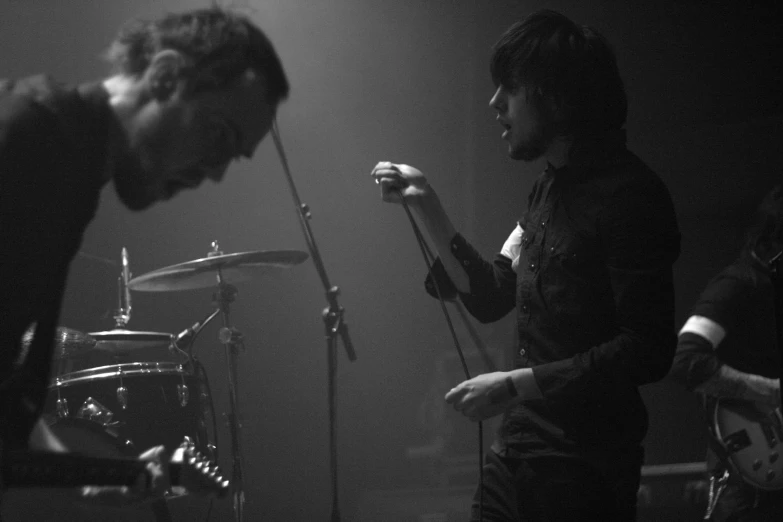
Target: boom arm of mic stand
column 333, row 315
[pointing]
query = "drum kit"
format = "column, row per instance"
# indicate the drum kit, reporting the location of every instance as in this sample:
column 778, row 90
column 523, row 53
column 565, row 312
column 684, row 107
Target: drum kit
column 145, row 389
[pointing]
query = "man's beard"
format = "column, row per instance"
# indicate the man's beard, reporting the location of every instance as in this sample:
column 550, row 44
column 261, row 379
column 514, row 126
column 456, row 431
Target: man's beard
column 536, row 144
column 130, row 182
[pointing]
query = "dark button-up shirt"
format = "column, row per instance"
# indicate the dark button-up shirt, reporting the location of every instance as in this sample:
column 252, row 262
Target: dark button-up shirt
column 594, row 299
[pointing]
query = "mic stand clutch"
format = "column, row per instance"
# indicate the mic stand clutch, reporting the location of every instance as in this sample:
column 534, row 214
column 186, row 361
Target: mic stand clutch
column 334, row 324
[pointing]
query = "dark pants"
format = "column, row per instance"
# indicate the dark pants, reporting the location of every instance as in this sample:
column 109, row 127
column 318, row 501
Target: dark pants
column 550, row 489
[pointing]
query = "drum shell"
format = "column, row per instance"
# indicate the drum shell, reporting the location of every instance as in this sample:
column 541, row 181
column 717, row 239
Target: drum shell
column 154, row 414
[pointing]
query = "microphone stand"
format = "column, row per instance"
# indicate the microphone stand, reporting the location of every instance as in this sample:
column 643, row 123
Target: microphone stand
column 334, row 323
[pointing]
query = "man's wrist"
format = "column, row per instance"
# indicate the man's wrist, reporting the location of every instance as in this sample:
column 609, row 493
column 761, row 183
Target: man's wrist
column 525, row 384
column 427, row 201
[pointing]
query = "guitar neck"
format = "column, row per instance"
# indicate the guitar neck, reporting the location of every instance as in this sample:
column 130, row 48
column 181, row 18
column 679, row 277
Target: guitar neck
column 45, row 469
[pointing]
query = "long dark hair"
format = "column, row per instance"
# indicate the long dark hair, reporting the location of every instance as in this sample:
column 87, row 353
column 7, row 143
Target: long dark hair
column 765, row 235
column 555, row 60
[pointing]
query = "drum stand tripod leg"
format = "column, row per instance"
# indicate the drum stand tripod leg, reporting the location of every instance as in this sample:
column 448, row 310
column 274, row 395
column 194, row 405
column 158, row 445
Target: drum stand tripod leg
column 235, row 425
column 231, row 339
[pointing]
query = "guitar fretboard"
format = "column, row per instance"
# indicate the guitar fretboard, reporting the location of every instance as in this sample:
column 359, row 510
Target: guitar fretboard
column 43, row 469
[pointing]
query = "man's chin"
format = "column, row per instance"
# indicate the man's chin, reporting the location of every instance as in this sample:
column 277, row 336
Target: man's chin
column 135, row 200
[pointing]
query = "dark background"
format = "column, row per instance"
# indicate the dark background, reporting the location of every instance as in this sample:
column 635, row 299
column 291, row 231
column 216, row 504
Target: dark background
column 406, row 81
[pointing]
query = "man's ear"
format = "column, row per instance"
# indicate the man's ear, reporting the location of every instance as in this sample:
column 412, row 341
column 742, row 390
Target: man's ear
column 559, row 112
column 164, row 74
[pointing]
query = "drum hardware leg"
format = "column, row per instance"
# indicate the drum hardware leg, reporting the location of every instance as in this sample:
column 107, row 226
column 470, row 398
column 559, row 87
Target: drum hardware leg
column 232, row 341
column 718, row 482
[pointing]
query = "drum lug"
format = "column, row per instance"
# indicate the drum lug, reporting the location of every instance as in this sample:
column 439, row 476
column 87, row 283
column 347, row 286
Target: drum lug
column 62, row 407
column 122, row 397
column 183, row 392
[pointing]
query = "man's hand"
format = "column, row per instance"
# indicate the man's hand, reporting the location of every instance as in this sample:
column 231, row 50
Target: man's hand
column 397, row 178
column 157, row 459
column 484, row 396
column 764, row 390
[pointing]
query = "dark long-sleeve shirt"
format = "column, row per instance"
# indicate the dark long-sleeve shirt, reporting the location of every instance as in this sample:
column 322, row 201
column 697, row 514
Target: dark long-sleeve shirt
column 594, row 299
column 741, row 300
column 53, row 146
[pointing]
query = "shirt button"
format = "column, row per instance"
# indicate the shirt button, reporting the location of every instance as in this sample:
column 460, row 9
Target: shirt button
column 524, row 309
column 543, row 223
column 453, row 247
column 522, row 352
column 532, row 266
column 551, row 249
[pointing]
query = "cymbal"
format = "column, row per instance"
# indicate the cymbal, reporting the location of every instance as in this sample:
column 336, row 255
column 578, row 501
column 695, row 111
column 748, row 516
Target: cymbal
column 202, row 273
column 67, row 342
column 129, row 340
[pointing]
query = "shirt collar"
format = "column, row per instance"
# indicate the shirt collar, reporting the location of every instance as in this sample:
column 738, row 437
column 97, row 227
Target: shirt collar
column 588, row 153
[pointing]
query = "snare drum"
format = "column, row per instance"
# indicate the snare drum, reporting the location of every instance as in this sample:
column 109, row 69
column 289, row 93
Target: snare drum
column 149, row 403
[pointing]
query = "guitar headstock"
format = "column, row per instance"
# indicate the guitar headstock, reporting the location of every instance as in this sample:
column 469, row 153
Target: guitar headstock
column 194, row 473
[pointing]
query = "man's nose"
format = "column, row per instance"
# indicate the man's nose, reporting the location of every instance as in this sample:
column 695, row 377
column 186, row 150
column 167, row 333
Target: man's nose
column 495, row 101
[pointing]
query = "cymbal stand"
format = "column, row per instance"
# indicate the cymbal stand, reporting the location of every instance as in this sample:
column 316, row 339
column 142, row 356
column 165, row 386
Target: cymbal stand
column 232, row 340
column 334, row 324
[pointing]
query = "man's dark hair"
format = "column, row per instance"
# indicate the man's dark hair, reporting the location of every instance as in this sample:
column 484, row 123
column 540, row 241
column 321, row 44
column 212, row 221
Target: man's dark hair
column 555, row 60
column 765, row 236
column 220, row 46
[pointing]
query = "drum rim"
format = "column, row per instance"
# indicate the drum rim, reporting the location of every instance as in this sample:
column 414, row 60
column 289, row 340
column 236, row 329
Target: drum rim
column 130, row 335
column 132, row 369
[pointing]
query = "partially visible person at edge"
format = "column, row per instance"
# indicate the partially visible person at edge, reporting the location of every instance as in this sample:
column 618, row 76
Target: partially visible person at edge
column 729, row 350
column 190, row 93
column 587, row 269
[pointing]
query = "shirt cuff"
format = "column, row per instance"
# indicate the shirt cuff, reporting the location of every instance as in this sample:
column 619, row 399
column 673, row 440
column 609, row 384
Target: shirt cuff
column 462, row 252
column 704, row 327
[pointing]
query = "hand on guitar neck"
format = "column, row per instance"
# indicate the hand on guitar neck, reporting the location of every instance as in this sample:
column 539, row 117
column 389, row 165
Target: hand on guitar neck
column 153, row 483
column 117, row 481
column 729, row 383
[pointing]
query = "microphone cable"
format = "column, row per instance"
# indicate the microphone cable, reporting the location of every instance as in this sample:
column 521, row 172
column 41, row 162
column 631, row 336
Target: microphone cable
column 429, row 259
